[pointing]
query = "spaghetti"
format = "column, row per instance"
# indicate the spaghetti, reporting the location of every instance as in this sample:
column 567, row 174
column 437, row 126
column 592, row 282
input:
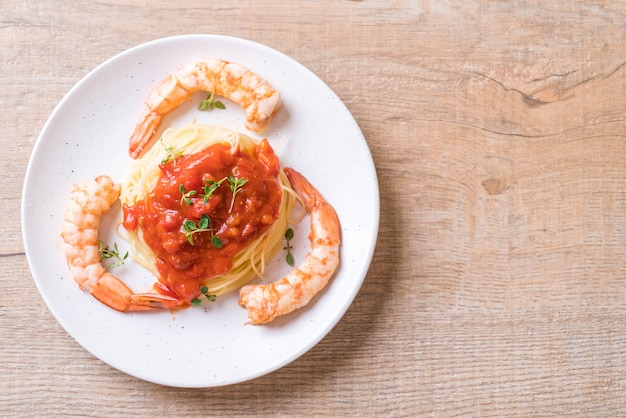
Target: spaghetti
column 207, row 206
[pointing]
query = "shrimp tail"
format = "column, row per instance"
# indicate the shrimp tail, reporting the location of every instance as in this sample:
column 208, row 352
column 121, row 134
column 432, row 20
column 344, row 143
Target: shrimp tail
column 114, row 293
column 150, row 301
column 111, row 291
column 144, row 132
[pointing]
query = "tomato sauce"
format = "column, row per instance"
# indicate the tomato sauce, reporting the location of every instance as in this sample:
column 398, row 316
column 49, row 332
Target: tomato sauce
column 182, row 194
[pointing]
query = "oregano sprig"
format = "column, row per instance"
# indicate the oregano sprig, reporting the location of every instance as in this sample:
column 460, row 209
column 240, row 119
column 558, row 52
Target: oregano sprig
column 104, row 251
column 186, row 195
column 172, row 153
column 288, row 247
column 204, row 225
column 205, row 292
column 210, row 104
column 235, row 186
column 210, row 186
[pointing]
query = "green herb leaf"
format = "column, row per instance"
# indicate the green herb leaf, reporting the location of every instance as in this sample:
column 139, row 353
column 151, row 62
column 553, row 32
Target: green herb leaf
column 172, row 153
column 189, row 225
column 210, row 104
column 190, row 228
column 209, row 188
column 288, row 237
column 186, row 195
column 204, row 291
column 104, row 251
column 203, row 225
column 235, row 186
column 216, row 242
column 204, row 222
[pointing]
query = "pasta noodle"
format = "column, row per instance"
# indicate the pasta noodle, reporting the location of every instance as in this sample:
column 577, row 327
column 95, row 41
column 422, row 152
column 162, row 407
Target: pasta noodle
column 190, row 139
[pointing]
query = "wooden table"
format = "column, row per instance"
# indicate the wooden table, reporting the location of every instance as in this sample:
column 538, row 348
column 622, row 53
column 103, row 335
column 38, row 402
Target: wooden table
column 498, row 286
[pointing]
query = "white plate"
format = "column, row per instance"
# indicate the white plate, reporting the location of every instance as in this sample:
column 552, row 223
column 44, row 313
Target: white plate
column 87, row 135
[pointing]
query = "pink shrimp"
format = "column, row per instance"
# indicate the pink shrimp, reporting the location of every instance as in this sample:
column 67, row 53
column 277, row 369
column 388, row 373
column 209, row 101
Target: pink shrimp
column 223, row 78
column 88, row 201
column 266, row 302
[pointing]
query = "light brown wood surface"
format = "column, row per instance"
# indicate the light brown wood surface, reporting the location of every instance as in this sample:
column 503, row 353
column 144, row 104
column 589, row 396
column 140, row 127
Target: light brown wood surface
column 498, row 286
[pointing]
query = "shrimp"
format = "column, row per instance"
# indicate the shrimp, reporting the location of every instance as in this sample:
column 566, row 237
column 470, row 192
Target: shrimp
column 266, row 302
column 223, row 78
column 88, row 201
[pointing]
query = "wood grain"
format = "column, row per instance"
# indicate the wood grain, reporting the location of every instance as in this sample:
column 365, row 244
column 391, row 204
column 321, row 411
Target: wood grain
column 498, row 285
